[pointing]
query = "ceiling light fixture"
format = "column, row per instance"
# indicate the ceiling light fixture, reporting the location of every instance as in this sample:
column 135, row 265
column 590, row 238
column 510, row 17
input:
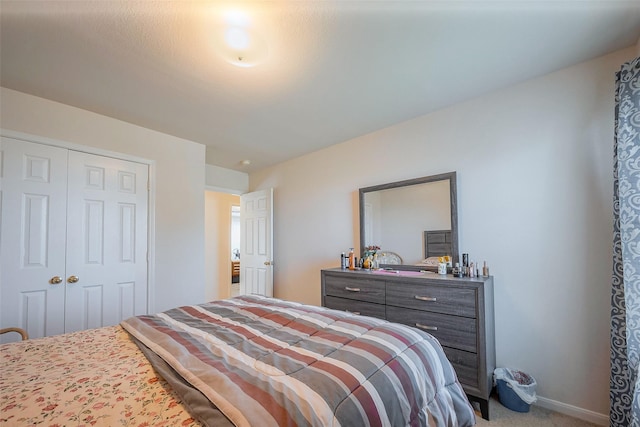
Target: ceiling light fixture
column 245, row 162
column 243, row 47
column 237, row 38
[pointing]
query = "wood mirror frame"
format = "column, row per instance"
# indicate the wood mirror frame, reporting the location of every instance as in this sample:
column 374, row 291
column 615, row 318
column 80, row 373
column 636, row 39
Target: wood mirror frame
column 451, row 176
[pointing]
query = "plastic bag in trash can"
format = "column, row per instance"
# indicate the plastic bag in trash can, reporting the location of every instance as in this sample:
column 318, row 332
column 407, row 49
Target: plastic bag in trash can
column 524, row 385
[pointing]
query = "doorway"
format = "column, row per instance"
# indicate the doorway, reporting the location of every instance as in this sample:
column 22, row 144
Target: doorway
column 255, row 234
column 235, row 250
column 219, row 243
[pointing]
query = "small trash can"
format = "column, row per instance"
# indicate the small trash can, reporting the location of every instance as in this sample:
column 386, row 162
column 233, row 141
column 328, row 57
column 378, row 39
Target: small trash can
column 516, row 389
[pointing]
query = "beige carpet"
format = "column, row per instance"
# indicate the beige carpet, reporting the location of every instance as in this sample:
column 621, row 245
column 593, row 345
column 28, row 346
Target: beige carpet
column 536, row 417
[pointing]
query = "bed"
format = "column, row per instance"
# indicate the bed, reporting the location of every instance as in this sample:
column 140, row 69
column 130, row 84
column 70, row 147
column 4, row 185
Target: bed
column 437, row 243
column 245, row 361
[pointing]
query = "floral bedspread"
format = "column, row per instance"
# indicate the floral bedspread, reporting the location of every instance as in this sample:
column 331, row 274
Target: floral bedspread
column 94, row 377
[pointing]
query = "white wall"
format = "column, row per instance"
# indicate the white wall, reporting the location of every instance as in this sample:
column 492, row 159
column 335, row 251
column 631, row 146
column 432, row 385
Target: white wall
column 226, row 180
column 534, row 166
column 180, row 178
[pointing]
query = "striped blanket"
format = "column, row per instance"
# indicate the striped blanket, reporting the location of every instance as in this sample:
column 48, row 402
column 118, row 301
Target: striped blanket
column 269, row 362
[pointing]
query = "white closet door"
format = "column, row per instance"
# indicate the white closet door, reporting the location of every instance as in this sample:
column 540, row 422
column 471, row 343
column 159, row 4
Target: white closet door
column 106, row 241
column 67, row 215
column 32, row 237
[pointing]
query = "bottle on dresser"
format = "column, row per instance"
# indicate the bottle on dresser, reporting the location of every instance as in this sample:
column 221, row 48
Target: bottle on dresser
column 352, row 259
column 457, row 270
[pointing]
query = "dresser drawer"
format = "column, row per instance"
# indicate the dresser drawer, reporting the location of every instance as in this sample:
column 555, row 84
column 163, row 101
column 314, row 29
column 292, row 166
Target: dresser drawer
column 436, row 298
column 465, row 365
column 356, row 289
column 356, row 307
column 451, row 331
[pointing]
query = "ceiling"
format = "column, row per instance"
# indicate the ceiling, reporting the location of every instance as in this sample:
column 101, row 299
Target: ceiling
column 327, row 71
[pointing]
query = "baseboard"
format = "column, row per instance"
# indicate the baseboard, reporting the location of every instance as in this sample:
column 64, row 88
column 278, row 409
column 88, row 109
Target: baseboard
column 573, row 411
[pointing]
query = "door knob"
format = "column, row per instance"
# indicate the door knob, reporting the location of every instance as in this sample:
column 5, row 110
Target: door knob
column 73, row 279
column 55, row 280
column 268, row 263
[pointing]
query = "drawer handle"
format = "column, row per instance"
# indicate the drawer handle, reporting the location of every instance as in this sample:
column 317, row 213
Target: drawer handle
column 421, row 298
column 426, row 327
column 347, row 288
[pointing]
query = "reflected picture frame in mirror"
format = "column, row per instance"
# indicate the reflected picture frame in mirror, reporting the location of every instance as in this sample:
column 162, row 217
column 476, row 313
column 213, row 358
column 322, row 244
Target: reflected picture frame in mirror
column 396, row 215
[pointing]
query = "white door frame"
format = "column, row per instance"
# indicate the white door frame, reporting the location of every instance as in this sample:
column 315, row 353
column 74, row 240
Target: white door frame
column 151, row 226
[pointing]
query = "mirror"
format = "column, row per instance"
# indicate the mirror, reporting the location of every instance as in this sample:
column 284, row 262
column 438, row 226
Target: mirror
column 410, row 221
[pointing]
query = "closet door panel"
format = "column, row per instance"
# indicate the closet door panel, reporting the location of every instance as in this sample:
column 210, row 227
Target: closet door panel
column 107, row 240
column 32, row 237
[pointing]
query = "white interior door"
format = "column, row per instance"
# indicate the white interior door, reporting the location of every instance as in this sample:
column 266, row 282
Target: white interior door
column 32, row 237
column 256, row 246
column 73, row 239
column 106, row 241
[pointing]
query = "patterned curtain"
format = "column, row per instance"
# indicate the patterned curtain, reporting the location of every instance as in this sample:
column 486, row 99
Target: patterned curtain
column 625, row 298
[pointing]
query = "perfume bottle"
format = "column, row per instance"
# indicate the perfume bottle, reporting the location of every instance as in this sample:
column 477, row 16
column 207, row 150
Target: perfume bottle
column 485, row 270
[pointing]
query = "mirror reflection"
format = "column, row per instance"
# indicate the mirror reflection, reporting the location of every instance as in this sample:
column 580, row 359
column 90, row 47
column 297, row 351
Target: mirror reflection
column 411, row 221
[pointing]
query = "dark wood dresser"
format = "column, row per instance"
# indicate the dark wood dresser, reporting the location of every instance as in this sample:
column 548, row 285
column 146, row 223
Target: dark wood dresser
column 457, row 311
